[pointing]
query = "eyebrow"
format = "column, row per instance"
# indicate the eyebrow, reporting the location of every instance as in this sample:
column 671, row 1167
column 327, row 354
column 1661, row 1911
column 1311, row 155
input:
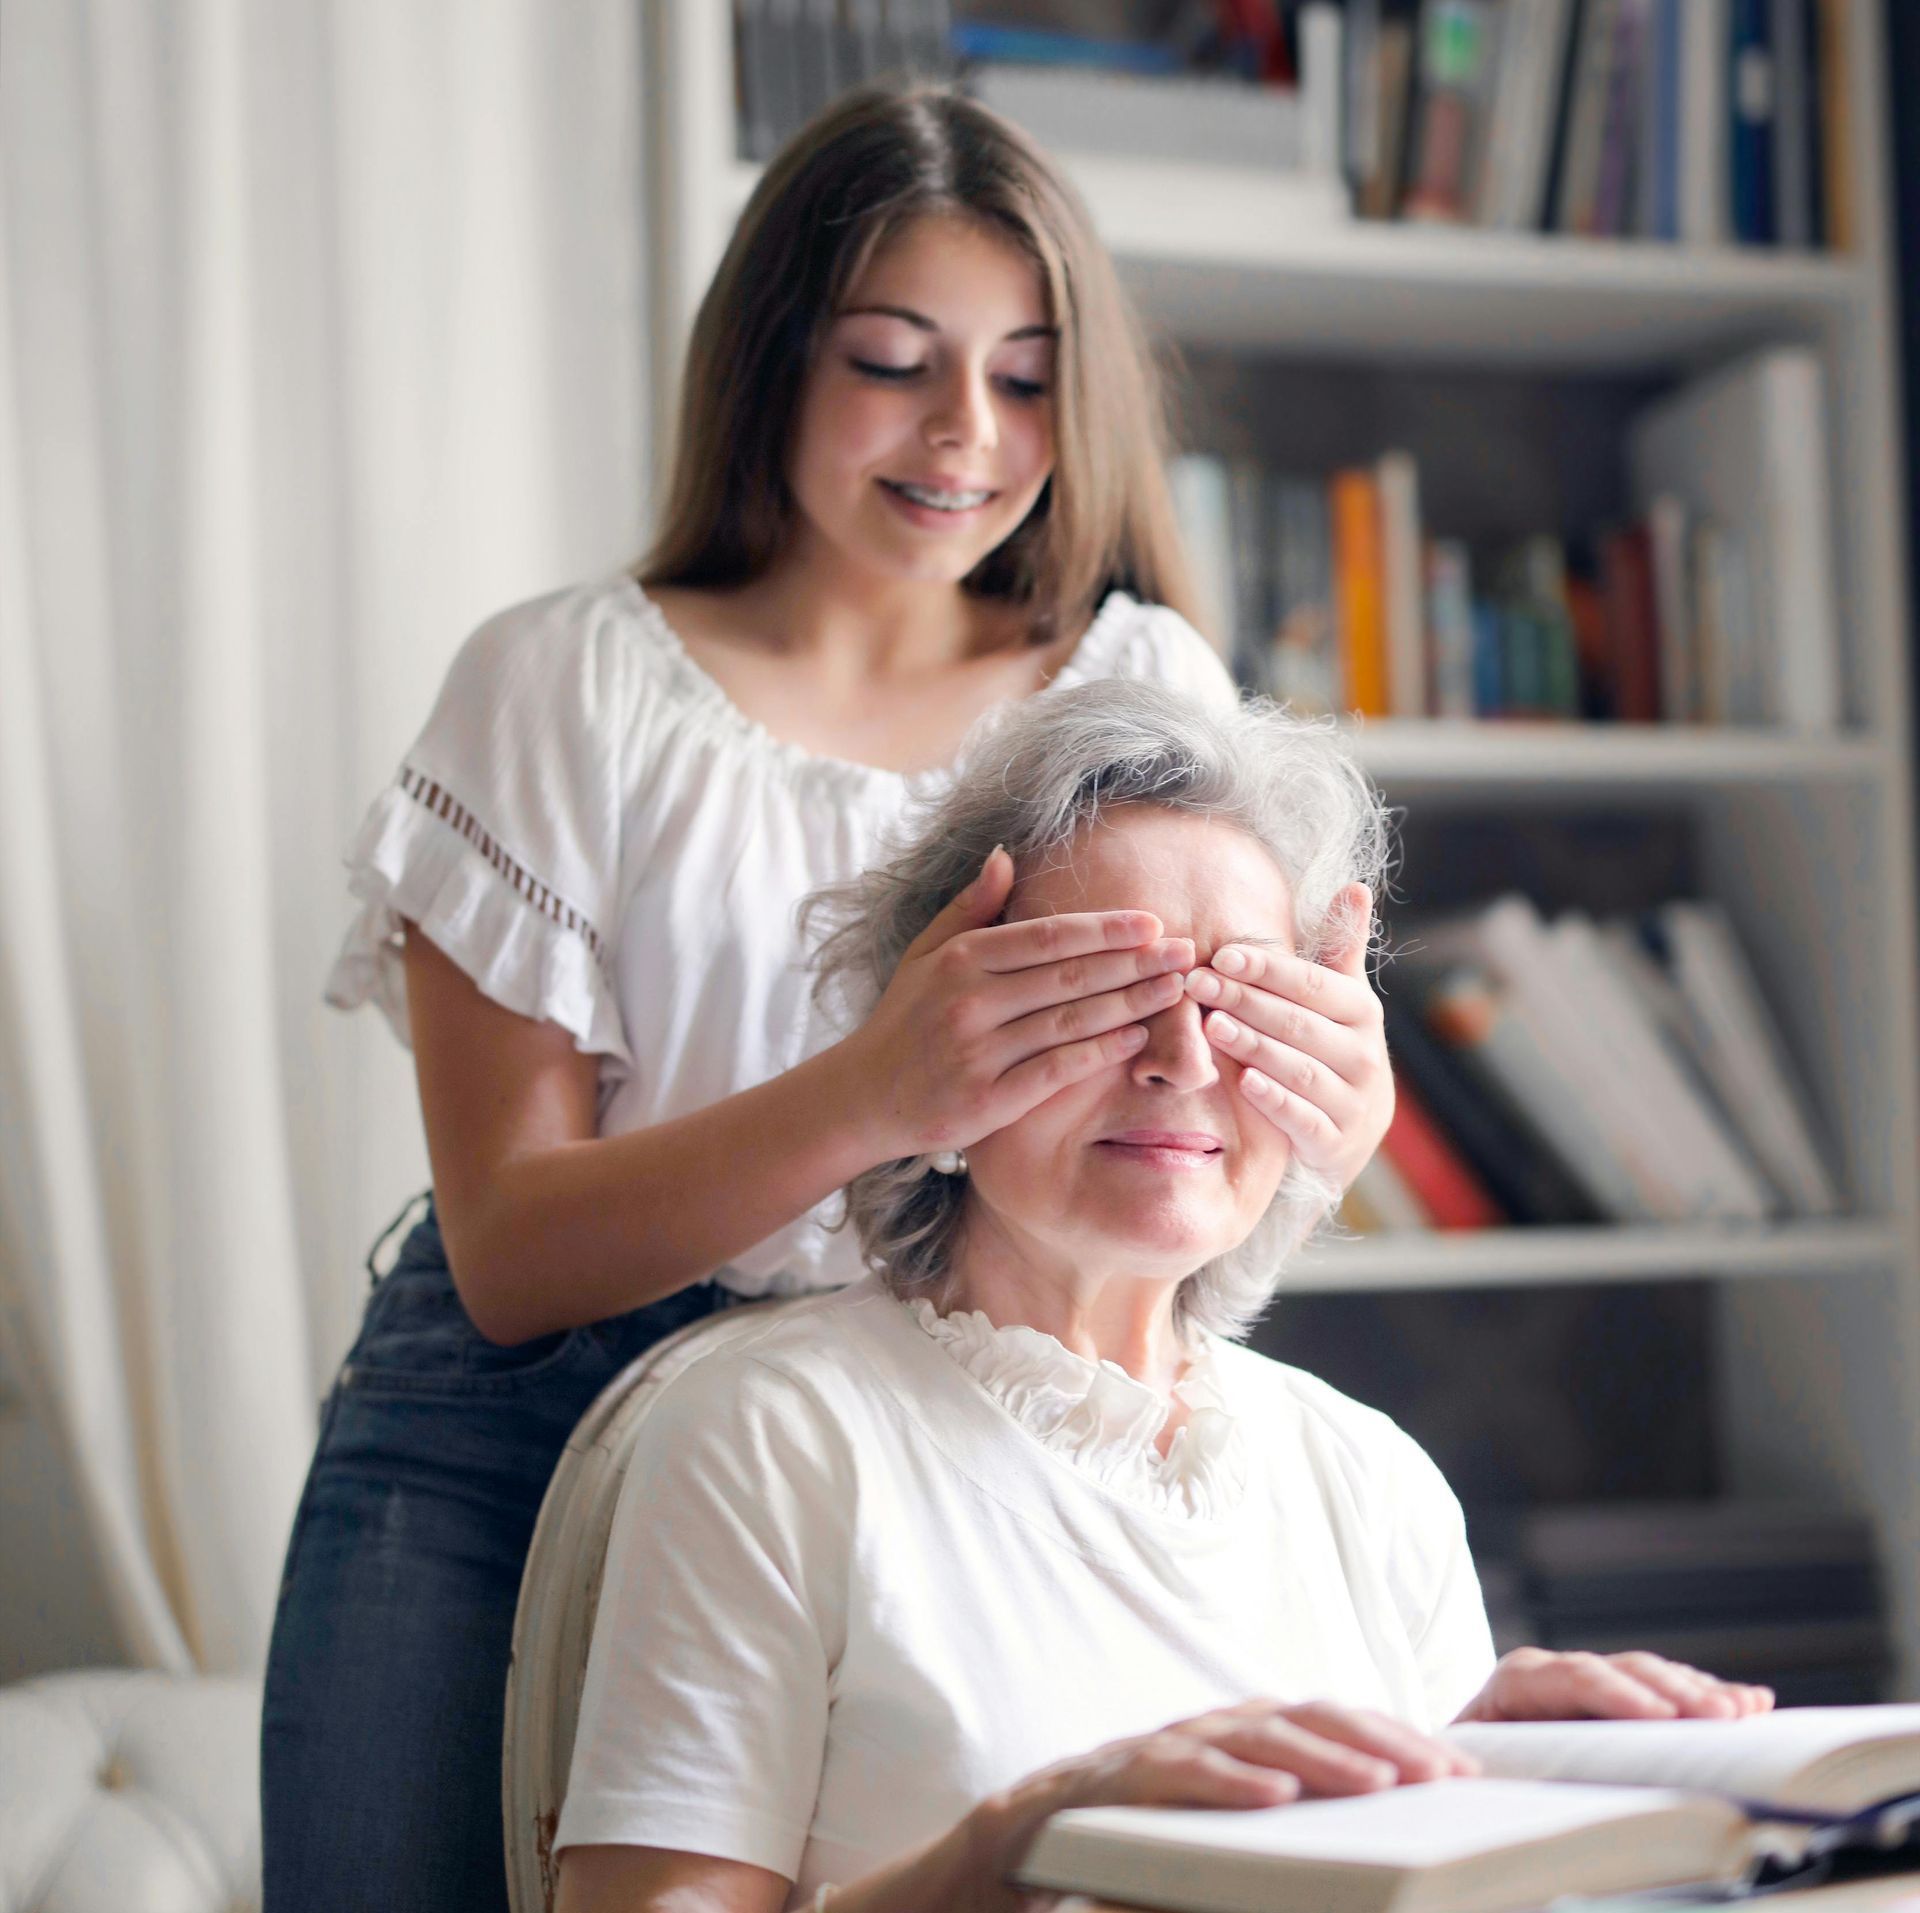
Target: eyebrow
column 1283, row 944
column 925, row 324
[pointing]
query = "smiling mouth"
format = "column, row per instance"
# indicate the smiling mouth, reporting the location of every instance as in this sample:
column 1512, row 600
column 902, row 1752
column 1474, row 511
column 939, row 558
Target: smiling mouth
column 936, row 500
column 1164, row 1148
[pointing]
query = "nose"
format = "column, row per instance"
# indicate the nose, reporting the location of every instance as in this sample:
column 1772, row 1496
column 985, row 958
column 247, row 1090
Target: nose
column 962, row 418
column 1177, row 1054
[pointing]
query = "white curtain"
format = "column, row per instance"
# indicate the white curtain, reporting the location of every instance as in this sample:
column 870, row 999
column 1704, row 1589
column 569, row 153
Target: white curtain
column 321, row 337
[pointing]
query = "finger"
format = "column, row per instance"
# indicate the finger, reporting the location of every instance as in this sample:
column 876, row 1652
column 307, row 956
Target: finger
column 1084, row 1016
column 1418, row 1756
column 1575, row 1686
column 1230, row 1782
column 1182, row 1770
column 1292, row 1069
column 1313, row 1133
column 1340, row 1047
column 1019, row 992
column 1027, row 1085
column 1323, row 1766
column 1691, row 1691
column 1355, row 904
column 1332, row 993
column 1073, row 933
column 980, row 902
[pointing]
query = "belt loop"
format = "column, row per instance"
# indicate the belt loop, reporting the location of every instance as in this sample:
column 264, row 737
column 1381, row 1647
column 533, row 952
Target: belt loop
column 386, row 1235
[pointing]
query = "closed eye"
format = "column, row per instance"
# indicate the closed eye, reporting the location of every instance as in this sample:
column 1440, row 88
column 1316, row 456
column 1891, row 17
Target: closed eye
column 1025, row 390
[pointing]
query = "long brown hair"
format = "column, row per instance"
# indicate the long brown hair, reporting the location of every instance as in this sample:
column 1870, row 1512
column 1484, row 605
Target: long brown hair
column 856, row 176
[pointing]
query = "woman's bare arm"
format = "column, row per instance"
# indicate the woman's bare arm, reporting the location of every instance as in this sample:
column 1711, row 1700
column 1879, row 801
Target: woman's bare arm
column 548, row 1225
column 941, row 1878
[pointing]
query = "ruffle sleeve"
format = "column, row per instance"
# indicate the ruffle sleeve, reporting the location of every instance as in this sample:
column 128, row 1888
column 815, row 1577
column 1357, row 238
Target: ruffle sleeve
column 501, row 833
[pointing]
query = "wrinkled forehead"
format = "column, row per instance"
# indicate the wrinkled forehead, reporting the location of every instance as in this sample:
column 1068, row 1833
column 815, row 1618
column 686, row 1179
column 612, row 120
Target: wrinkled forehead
column 1203, row 878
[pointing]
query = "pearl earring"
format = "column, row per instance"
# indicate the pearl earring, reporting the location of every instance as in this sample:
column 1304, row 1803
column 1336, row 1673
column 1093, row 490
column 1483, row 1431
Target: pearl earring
column 948, row 1162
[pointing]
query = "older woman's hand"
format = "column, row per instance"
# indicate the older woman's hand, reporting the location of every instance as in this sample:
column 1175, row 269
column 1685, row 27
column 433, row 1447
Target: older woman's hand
column 1310, row 1041
column 1532, row 1683
column 1259, row 1754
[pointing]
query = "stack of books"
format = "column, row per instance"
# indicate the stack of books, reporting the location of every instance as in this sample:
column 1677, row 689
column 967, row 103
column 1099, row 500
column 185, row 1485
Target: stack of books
column 1581, row 1071
column 1712, row 602
column 1781, row 1593
column 1704, row 121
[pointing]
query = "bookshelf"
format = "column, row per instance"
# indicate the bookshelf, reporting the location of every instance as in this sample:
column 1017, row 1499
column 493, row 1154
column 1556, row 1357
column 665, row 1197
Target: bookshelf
column 1806, row 840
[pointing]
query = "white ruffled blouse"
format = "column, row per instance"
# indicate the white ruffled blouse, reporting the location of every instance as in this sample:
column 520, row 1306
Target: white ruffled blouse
column 1102, row 1419
column 593, row 830
column 896, row 1585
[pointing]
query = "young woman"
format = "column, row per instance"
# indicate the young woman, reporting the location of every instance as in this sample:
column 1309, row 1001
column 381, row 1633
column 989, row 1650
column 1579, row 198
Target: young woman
column 919, row 475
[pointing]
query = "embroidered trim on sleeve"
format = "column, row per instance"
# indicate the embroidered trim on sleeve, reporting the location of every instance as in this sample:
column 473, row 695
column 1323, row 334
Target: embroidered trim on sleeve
column 444, row 805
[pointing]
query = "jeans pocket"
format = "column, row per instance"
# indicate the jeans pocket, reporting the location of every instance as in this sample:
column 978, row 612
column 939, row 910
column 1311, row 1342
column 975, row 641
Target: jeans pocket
column 418, row 1340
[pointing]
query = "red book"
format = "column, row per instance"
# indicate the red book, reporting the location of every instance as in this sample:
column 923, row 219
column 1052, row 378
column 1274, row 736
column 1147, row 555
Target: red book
column 1433, row 1169
column 1633, row 624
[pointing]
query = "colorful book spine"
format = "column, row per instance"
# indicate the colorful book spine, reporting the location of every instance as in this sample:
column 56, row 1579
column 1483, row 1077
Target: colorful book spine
column 1358, row 593
column 1456, row 57
column 1620, row 132
column 1403, row 596
column 1633, row 636
column 1450, row 625
column 1520, row 1174
column 1303, row 666
column 1753, row 100
column 1449, row 1191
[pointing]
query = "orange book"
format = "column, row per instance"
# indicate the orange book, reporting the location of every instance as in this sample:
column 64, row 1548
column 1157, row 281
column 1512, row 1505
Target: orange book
column 1446, row 1185
column 1359, row 593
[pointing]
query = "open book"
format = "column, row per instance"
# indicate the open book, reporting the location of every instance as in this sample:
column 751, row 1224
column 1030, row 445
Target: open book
column 1568, row 1807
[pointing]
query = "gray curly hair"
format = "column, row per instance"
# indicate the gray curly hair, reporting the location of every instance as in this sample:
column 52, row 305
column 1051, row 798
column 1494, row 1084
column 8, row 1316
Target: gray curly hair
column 1031, row 778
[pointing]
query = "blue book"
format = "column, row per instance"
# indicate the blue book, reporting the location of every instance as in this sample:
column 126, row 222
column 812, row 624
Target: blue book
column 1662, row 147
column 1489, row 661
column 1752, row 96
column 1037, row 46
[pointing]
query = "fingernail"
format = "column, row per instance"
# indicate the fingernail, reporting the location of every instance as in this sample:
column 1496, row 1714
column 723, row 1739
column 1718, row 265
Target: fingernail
column 1222, row 1028
column 1205, row 985
column 1133, row 1036
column 1229, row 962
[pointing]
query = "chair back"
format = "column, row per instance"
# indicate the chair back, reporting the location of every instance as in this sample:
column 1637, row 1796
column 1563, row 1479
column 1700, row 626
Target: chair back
column 560, row 1592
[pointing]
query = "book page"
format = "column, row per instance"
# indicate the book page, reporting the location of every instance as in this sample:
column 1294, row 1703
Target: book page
column 1403, row 1827
column 1762, row 1758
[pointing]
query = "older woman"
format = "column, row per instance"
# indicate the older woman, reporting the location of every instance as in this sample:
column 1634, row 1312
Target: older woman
column 885, row 1572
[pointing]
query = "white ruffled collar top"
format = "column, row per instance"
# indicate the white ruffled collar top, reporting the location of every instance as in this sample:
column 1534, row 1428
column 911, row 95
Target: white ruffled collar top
column 1096, row 1416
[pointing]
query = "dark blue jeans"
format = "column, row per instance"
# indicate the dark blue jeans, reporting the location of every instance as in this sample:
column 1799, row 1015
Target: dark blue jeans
column 386, row 1676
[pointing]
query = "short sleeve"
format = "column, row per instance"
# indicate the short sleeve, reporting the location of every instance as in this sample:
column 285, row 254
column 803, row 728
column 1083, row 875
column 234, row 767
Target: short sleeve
column 722, row 1615
column 1435, row 1585
column 500, row 834
column 1165, row 648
